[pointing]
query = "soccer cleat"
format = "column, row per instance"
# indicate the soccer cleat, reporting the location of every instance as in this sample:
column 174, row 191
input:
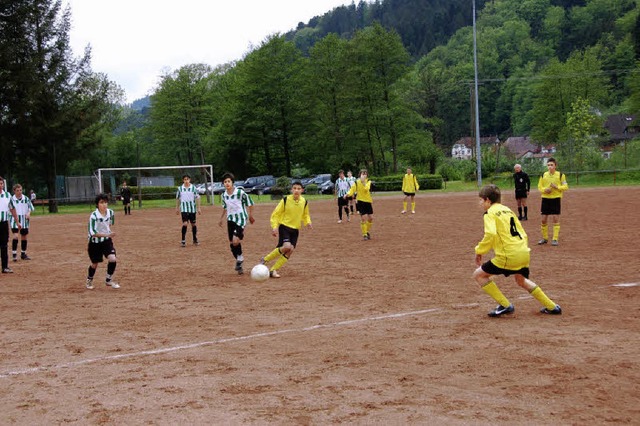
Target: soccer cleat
column 274, row 274
column 368, row 236
column 15, row 258
column 195, row 242
column 348, row 219
column 239, row 267
column 403, row 212
column 554, row 242
column 340, row 221
column 542, row 241
column 555, row 311
column 89, row 284
column 501, row 310
column 413, row 212
column 365, row 237
column 112, row 284
column 183, row 243
column 7, row 271
column 519, row 217
column 24, row 256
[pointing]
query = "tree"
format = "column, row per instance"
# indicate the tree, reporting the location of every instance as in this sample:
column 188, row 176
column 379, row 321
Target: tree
column 54, row 108
column 580, row 150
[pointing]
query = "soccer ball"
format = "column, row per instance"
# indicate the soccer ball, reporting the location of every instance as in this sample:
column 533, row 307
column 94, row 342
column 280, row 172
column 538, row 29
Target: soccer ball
column 260, row 272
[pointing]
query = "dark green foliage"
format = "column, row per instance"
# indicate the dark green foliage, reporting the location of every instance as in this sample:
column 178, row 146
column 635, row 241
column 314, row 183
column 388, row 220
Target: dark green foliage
column 394, row 182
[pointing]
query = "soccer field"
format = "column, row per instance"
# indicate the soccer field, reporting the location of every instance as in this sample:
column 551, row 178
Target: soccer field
column 387, row 331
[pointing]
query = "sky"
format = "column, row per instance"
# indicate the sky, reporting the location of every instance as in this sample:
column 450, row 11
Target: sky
column 134, row 42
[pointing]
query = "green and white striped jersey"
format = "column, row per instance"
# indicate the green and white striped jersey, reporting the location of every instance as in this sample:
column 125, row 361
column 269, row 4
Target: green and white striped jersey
column 23, row 206
column 6, row 205
column 188, row 197
column 99, row 224
column 236, row 206
column 342, row 187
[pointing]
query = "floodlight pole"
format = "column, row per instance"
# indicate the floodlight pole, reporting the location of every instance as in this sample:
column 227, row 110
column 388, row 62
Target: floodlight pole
column 475, row 84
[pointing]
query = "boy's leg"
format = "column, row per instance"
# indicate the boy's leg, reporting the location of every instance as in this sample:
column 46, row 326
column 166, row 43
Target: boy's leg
column 14, row 247
column 23, row 248
column 274, row 253
column 339, row 212
column 194, row 233
column 90, row 273
column 556, row 229
column 404, row 205
column 413, row 204
column 549, row 305
column 184, row 233
column 489, row 286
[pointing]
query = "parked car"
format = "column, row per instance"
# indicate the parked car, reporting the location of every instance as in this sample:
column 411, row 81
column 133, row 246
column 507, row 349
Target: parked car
column 253, row 181
column 325, row 186
column 239, row 184
column 218, row 188
column 264, row 187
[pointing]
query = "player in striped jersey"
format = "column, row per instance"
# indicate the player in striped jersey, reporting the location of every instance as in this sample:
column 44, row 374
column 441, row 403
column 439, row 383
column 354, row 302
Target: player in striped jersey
column 341, row 189
column 364, row 202
column 187, row 205
column 23, row 207
column 7, row 210
column 235, row 203
column 101, row 241
column 286, row 219
column 504, row 234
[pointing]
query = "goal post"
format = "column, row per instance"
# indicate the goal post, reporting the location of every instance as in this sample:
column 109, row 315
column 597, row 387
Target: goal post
column 207, row 168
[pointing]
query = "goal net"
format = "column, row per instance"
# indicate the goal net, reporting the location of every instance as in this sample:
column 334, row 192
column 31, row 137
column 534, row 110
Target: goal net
column 110, row 179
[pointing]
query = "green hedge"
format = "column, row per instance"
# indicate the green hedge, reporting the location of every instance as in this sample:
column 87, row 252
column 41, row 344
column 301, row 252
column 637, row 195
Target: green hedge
column 394, row 182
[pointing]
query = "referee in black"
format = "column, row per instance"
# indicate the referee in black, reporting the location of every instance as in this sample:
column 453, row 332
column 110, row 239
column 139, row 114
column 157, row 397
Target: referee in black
column 523, row 185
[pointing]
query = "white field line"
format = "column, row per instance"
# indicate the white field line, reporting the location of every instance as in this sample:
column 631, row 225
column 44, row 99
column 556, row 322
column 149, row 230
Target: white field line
column 73, row 364
column 625, row 285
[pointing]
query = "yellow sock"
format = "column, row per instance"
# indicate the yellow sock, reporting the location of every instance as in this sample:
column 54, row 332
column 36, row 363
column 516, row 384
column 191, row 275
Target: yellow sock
column 542, row 298
column 413, row 207
column 404, row 206
column 545, row 231
column 492, row 290
column 369, row 224
column 363, row 228
column 556, row 231
column 283, row 259
column 275, row 253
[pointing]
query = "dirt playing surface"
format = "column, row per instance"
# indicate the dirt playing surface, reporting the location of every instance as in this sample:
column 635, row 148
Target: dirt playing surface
column 387, row 331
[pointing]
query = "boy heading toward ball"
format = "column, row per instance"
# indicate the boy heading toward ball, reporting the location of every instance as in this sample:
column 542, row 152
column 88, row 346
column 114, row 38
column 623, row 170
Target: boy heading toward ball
column 291, row 213
column 504, row 234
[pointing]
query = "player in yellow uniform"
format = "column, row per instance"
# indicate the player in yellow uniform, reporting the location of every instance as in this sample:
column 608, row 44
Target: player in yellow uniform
column 504, row 234
column 551, row 185
column 364, row 203
column 291, row 213
column 409, row 186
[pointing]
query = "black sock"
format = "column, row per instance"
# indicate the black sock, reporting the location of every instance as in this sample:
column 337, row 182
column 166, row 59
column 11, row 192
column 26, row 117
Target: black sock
column 194, row 231
column 233, row 250
column 346, row 210
column 23, row 245
column 4, row 253
column 519, row 211
column 91, row 273
column 111, row 268
column 184, row 231
column 14, row 245
column 339, row 212
column 525, row 212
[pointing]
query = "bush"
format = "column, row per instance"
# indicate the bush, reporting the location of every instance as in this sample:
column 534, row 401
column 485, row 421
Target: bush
column 312, row 188
column 283, row 183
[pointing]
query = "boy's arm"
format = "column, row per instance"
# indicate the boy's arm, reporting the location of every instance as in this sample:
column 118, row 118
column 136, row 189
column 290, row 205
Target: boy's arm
column 564, row 185
column 352, row 189
column 306, row 218
column 541, row 184
column 486, row 244
column 276, row 215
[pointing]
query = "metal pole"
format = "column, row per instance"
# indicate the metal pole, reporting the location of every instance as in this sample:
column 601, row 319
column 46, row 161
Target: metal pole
column 475, row 84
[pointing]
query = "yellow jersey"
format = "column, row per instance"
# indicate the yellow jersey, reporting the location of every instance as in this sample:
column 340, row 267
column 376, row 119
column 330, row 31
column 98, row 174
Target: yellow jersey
column 410, row 183
column 547, row 179
column 291, row 213
column 362, row 191
column 505, row 235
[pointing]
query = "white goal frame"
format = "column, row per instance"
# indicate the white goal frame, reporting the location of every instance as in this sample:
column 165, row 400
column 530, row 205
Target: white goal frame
column 208, row 169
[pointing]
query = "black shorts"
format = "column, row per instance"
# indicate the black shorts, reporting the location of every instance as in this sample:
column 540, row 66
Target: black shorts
column 342, row 201
column 349, row 197
column 287, row 235
column 409, row 194
column 97, row 251
column 550, row 206
column 234, row 230
column 521, row 193
column 188, row 217
column 126, row 201
column 492, row 269
column 364, row 207
column 23, row 231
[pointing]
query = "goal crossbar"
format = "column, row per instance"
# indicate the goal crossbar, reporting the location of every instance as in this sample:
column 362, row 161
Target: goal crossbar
column 208, row 169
